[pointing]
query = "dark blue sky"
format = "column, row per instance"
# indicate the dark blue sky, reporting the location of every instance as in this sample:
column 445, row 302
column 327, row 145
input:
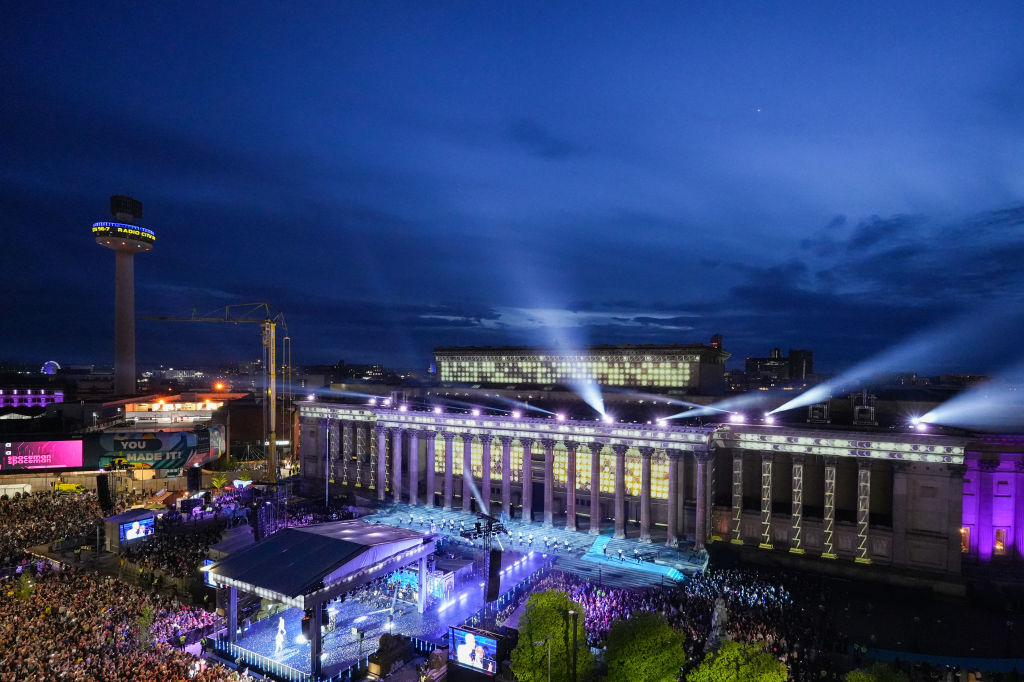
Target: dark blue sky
column 394, row 176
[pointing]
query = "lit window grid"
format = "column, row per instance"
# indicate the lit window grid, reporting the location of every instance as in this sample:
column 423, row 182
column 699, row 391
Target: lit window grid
column 607, row 472
column 659, row 477
column 476, row 459
column 495, row 459
column 627, row 370
column 633, row 472
column 561, row 464
column 582, row 470
column 439, row 455
column 517, row 462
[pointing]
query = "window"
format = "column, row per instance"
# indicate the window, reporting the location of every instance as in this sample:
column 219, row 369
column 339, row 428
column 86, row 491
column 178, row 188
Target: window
column 965, row 539
column 1000, row 546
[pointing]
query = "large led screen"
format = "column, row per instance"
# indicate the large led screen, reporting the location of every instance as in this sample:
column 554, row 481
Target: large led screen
column 41, row 454
column 136, row 530
column 473, row 650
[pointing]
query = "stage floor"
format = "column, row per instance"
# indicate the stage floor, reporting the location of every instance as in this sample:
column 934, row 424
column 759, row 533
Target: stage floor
column 642, row 564
column 341, row 647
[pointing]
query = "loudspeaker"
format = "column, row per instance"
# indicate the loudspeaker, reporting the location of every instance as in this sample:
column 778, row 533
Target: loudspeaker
column 307, row 620
column 494, row 575
column 103, row 492
column 195, row 479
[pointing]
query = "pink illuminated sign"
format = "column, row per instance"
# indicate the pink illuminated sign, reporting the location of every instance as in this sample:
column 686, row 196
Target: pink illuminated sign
column 41, row 454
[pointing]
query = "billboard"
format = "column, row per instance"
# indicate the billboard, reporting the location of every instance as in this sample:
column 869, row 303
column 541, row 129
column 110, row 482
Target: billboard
column 473, row 650
column 41, row 454
column 163, row 449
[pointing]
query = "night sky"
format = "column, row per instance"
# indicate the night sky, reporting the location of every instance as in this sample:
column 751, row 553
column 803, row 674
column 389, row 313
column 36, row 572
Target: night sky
column 395, row 176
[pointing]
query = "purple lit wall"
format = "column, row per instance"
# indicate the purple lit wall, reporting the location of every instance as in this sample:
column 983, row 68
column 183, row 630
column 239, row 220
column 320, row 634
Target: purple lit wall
column 29, row 397
column 993, row 499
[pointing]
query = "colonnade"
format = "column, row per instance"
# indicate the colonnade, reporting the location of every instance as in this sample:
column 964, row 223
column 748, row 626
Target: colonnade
column 398, row 479
column 767, row 460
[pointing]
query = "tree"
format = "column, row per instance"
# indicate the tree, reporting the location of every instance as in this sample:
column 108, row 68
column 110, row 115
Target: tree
column 736, row 662
column 144, row 625
column 645, row 647
column 219, row 480
column 546, row 615
column 879, row 672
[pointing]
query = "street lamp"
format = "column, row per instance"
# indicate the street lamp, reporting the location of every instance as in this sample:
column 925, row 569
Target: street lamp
column 546, row 640
column 575, row 615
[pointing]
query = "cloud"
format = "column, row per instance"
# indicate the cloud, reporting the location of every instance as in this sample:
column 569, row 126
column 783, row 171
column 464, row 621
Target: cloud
column 538, row 141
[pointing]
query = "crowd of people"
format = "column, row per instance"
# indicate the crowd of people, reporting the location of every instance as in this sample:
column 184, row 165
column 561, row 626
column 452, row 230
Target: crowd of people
column 78, row 626
column 40, row 518
column 175, row 548
column 789, row 620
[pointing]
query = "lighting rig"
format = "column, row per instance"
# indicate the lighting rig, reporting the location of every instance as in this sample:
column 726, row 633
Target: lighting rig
column 488, row 527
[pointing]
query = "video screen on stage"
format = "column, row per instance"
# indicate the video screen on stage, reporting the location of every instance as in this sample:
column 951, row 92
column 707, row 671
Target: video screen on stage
column 41, row 454
column 473, row 650
column 136, row 530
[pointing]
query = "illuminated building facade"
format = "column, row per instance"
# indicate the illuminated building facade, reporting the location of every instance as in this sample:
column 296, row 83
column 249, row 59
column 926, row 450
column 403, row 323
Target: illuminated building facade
column 30, row 397
column 775, row 370
column 876, row 499
column 697, row 367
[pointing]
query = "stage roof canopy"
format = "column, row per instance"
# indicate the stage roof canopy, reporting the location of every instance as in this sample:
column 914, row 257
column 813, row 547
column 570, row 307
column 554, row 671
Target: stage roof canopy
column 329, row 558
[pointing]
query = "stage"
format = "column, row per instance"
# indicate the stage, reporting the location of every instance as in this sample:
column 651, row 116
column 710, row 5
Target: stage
column 341, row 647
column 642, row 565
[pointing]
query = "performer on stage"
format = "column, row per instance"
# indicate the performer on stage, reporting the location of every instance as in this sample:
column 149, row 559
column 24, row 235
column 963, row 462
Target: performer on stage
column 279, row 640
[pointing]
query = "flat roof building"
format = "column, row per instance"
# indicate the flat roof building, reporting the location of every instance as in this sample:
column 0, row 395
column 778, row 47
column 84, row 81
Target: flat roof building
column 696, row 367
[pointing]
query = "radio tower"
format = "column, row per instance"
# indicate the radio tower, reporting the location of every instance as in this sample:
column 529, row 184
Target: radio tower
column 126, row 237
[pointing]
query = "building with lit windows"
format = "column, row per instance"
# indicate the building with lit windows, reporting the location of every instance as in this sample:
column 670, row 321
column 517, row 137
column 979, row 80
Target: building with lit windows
column 696, row 367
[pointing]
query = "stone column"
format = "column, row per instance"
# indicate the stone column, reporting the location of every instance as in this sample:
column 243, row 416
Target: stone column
column 595, row 487
column 506, row 476
column 396, row 463
column 796, row 538
column 645, row 493
column 449, row 478
column 682, row 522
column 829, row 522
column 549, row 481
column 570, row 484
column 382, row 449
column 766, row 501
column 620, row 490
column 430, row 437
column 467, row 471
column 1018, row 504
column 527, row 515
column 421, row 604
column 333, row 449
column 346, row 450
column 737, row 497
column 672, row 509
column 485, row 482
column 356, row 430
column 414, row 465
column 863, row 509
column 701, row 516
column 986, row 534
column 955, row 516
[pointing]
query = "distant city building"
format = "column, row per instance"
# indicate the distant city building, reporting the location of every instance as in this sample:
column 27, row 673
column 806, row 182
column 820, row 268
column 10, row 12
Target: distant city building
column 774, row 371
column 30, row 397
column 696, row 367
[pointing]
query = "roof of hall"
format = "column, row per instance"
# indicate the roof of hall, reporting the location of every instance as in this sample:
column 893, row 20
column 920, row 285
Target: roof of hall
column 296, row 561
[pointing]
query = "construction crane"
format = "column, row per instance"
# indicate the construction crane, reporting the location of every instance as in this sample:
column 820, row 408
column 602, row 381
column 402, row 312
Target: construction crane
column 249, row 313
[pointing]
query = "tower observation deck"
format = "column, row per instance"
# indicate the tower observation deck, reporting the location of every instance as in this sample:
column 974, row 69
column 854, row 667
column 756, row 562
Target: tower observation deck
column 126, row 237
